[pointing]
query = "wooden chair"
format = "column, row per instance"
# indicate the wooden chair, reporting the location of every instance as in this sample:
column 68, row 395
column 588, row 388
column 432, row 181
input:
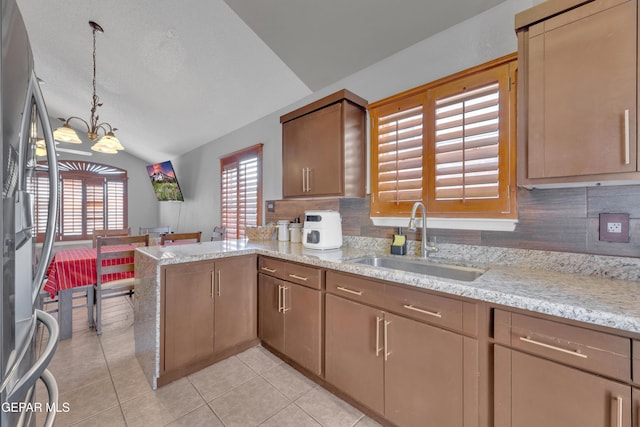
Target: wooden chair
column 110, row 233
column 219, row 233
column 180, row 236
column 155, row 231
column 115, row 255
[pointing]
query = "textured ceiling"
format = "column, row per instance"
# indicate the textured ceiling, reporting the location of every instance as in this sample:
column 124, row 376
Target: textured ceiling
column 173, row 77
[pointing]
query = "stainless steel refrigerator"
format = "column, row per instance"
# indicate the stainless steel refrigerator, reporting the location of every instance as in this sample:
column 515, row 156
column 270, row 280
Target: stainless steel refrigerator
column 24, row 123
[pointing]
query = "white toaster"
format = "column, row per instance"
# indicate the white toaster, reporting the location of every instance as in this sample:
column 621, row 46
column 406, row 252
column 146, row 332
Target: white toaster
column 322, row 229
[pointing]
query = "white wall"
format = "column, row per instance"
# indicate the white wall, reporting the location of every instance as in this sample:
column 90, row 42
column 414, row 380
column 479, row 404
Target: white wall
column 485, row 37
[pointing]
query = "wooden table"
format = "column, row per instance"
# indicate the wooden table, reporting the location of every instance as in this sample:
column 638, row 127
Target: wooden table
column 73, row 269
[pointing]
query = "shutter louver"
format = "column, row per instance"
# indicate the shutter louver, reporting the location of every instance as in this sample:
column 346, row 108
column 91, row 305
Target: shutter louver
column 95, row 205
column 72, row 212
column 467, row 145
column 400, row 156
column 240, row 193
column 115, row 205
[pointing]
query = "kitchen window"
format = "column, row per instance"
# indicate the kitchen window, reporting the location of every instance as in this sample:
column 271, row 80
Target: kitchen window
column 92, row 196
column 241, row 191
column 451, row 145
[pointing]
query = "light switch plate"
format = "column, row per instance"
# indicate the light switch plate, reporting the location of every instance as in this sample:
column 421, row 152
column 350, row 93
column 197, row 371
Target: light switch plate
column 614, row 227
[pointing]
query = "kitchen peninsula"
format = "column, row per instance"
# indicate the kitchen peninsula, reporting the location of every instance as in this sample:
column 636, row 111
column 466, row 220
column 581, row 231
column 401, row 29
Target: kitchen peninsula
column 488, row 311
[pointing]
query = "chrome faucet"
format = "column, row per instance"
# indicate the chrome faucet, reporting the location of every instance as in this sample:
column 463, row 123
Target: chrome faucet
column 426, row 245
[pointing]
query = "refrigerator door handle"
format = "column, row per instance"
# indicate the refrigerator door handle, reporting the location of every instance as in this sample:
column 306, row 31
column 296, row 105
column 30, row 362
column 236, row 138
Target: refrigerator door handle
column 34, row 95
column 35, row 372
column 52, row 407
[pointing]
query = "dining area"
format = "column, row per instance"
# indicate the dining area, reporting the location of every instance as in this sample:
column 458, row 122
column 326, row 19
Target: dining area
column 81, row 277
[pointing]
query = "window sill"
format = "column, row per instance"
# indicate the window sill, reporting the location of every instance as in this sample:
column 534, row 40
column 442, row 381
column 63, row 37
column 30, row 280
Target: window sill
column 483, row 224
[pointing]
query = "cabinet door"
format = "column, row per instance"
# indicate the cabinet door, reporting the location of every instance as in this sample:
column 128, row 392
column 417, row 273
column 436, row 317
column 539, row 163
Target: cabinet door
column 303, row 326
column 270, row 313
column 636, row 407
column 533, row 392
column 188, row 314
column 354, row 355
column 236, row 302
column 313, row 154
column 581, row 80
column 423, row 374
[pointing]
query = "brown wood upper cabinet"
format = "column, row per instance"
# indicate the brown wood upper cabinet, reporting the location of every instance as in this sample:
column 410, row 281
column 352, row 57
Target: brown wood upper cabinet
column 324, row 148
column 577, row 113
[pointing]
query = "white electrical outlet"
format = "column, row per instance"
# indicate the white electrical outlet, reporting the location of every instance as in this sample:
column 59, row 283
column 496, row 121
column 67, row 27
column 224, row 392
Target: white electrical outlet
column 614, row 227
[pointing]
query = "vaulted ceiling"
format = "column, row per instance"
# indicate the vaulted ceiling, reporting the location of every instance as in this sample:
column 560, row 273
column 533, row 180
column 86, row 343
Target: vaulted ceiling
column 175, row 75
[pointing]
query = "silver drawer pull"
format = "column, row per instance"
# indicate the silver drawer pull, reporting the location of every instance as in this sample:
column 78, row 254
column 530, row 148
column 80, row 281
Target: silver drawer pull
column 298, row 277
column 419, row 310
column 553, row 347
column 268, row 270
column 349, row 291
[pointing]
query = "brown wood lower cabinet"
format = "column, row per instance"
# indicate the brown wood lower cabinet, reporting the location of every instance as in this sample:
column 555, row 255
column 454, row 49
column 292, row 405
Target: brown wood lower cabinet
column 412, row 373
column 208, row 309
column 549, row 373
column 533, row 392
column 635, row 393
column 290, row 317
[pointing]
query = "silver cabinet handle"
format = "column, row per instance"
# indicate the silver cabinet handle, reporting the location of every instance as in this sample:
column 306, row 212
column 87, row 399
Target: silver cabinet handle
column 219, row 281
column 280, row 298
column 553, row 347
column 378, row 349
column 617, row 409
column 626, row 137
column 213, row 283
column 35, row 372
column 420, row 310
column 304, row 279
column 304, row 183
column 387, row 353
column 284, row 299
column 308, row 180
column 349, row 291
column 268, row 270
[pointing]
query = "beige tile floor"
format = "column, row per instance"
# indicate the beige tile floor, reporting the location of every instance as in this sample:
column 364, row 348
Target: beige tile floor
column 103, row 384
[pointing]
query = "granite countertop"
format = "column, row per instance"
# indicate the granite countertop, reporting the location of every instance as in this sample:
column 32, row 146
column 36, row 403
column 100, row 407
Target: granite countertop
column 598, row 300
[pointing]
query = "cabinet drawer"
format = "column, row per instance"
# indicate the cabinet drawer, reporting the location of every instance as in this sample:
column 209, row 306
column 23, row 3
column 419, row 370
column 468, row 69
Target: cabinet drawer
column 303, row 275
column 272, row 267
column 423, row 306
column 583, row 348
column 356, row 288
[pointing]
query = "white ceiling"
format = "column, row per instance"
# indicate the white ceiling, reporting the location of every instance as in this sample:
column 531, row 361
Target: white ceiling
column 174, row 75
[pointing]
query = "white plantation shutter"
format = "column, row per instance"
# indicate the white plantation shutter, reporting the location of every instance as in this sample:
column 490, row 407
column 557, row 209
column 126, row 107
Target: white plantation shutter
column 115, row 202
column 466, row 144
column 397, row 151
column 93, row 196
column 241, row 191
column 469, row 145
column 449, row 144
column 72, row 208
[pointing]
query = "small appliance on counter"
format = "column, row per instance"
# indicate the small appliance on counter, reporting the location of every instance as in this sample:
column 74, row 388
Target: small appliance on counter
column 283, row 230
column 322, row 229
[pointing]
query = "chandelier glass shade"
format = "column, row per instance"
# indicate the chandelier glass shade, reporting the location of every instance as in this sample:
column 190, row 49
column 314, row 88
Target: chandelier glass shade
column 101, row 134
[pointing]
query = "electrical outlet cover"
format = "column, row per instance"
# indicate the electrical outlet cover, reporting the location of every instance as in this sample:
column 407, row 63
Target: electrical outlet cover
column 614, row 227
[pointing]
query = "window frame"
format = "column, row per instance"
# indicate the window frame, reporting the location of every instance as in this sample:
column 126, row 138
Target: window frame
column 229, row 162
column 506, row 70
column 87, row 173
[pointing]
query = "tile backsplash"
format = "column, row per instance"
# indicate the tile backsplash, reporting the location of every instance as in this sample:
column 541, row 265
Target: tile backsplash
column 564, row 220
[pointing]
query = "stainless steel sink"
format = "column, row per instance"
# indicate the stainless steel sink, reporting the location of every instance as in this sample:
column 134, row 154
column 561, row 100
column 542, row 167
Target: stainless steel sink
column 465, row 274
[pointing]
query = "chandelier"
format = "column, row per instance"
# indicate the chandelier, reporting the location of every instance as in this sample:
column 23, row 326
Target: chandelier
column 107, row 142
